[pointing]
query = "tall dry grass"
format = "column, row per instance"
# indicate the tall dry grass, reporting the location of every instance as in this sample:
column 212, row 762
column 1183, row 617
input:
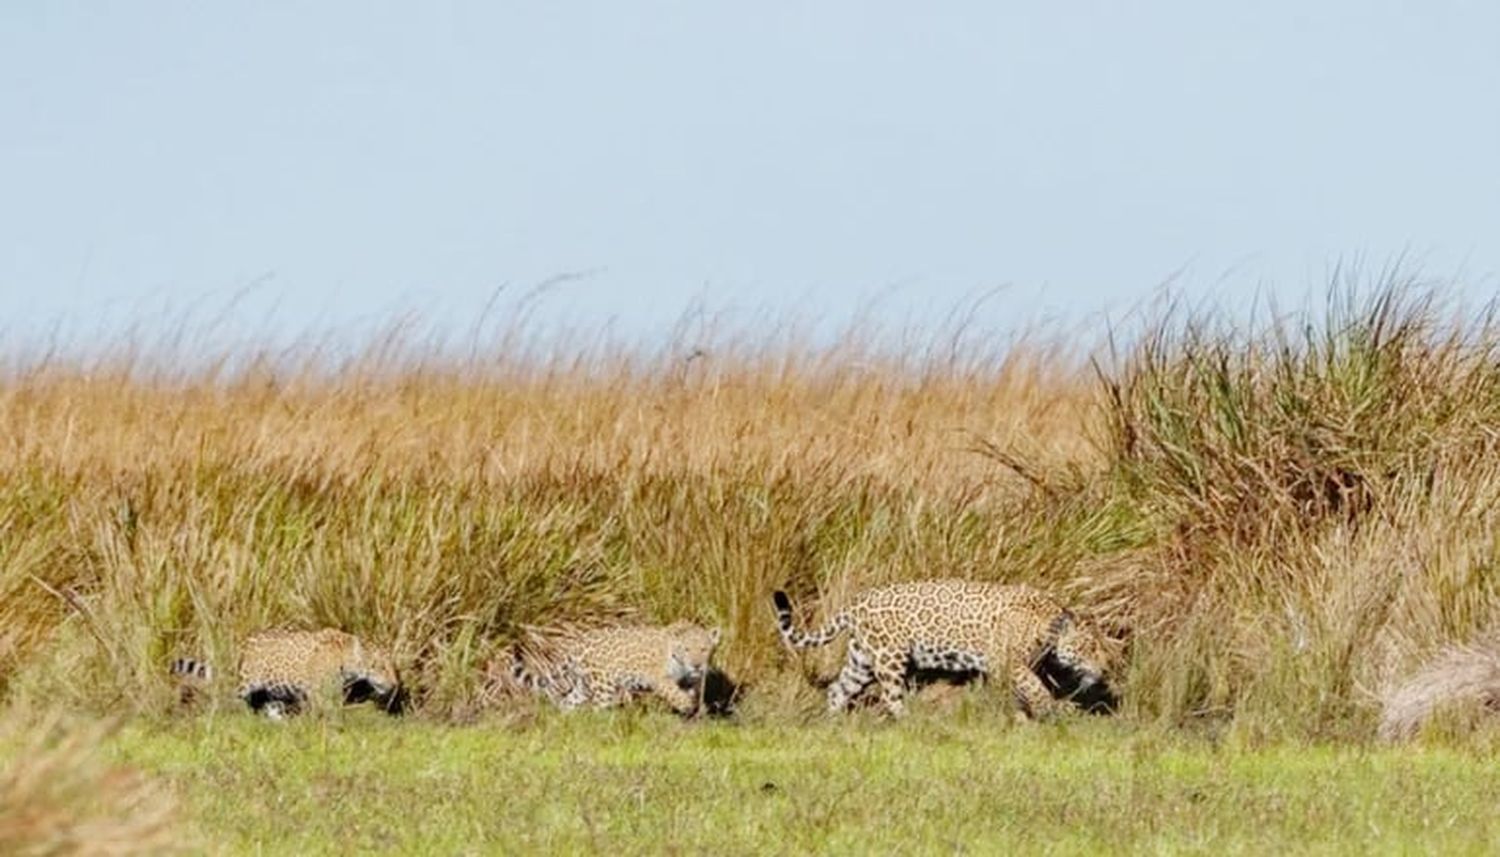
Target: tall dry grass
column 58, row 798
column 1462, row 679
column 1288, row 515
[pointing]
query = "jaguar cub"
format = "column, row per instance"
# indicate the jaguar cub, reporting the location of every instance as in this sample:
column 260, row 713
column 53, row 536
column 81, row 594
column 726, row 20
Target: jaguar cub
column 609, row 666
column 963, row 626
column 281, row 672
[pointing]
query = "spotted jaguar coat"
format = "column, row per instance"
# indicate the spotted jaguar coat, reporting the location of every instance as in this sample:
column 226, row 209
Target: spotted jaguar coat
column 962, row 626
column 609, row 666
column 281, row 672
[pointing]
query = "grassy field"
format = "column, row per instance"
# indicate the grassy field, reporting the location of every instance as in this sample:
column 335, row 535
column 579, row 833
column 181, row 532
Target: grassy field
column 965, row 782
column 1288, row 518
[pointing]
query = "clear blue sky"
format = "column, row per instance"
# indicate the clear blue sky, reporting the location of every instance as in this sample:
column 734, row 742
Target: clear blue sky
column 356, row 158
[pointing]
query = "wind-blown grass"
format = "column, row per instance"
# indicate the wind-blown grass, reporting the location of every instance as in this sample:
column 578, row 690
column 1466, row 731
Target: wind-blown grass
column 1288, row 516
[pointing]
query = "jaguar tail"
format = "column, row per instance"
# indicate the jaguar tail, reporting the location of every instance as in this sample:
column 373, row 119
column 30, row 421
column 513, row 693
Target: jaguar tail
column 191, row 670
column 805, row 639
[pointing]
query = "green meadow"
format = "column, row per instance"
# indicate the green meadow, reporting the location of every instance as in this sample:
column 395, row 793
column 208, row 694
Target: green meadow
column 949, row 783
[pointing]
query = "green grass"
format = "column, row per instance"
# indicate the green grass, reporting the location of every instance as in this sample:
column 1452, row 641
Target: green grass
column 633, row 783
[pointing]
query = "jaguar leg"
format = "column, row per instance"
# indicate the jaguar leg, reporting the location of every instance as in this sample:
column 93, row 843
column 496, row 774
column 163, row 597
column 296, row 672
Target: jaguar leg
column 577, row 693
column 683, row 700
column 1032, row 696
column 890, row 674
column 856, row 675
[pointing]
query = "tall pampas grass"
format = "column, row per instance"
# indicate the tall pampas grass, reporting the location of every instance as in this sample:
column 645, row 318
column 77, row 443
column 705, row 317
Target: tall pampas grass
column 1464, row 678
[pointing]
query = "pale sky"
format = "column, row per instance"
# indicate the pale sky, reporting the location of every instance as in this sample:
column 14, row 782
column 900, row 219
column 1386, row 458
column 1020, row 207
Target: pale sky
column 354, row 159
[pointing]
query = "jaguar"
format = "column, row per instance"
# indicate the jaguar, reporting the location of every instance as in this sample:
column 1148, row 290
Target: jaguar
column 281, row 672
column 611, row 665
column 960, row 626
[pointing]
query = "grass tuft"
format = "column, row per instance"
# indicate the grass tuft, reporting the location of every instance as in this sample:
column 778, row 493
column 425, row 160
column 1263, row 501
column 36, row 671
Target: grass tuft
column 57, row 797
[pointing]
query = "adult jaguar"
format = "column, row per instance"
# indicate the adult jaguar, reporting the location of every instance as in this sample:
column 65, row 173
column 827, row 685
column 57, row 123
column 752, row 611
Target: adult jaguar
column 963, row 626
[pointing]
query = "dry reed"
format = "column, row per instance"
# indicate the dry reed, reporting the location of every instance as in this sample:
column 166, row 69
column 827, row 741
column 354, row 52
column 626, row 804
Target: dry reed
column 1283, row 514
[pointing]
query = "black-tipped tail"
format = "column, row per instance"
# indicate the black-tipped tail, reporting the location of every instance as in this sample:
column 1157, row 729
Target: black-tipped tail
column 782, row 602
column 784, row 617
column 803, row 639
column 525, row 676
column 192, row 669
